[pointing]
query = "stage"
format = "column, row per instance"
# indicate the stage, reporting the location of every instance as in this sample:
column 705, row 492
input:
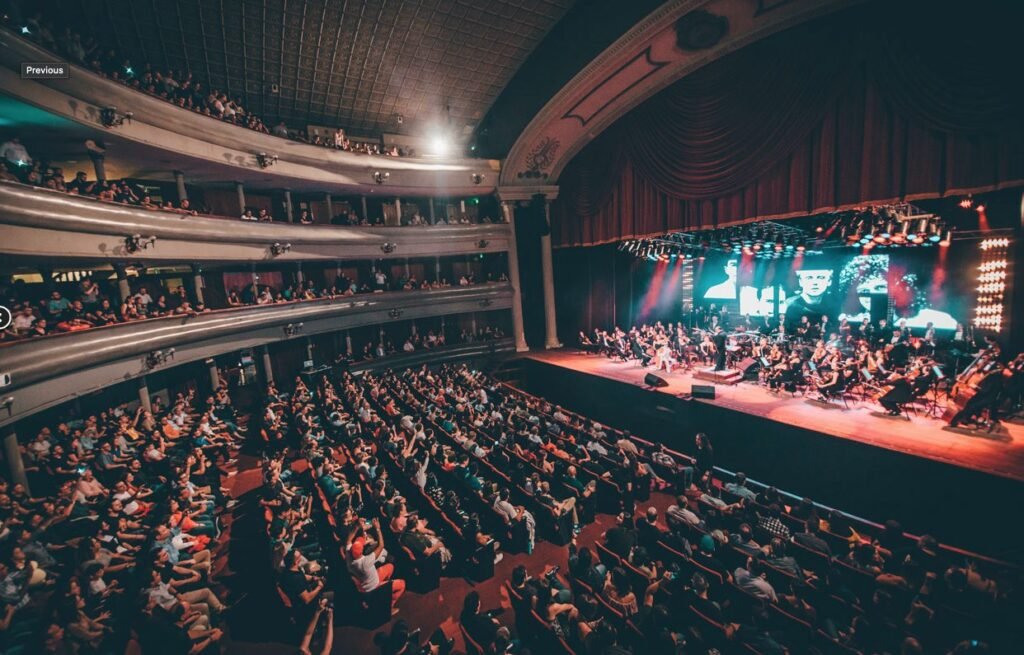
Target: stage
column 998, row 453
column 859, row 460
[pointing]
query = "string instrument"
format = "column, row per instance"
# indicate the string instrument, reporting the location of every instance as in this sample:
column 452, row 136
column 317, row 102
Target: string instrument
column 966, row 385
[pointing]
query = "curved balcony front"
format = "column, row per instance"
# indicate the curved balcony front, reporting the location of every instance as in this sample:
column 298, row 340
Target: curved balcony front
column 50, row 370
column 49, row 224
column 231, row 148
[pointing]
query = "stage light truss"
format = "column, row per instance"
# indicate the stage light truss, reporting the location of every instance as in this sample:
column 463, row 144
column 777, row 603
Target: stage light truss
column 899, row 225
column 992, row 279
column 764, row 240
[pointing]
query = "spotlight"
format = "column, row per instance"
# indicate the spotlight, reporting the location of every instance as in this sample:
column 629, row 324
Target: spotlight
column 380, row 177
column 158, row 357
column 292, row 329
column 110, row 118
column 980, row 209
column 264, row 160
column 967, row 203
column 439, row 145
column 137, row 242
column 279, row 249
column 477, row 178
column 387, row 247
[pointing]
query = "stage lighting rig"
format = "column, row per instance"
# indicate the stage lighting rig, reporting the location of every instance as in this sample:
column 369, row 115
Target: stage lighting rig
column 380, row 177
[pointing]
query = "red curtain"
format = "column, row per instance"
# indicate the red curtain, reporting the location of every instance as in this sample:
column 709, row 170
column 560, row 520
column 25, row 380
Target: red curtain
column 872, row 104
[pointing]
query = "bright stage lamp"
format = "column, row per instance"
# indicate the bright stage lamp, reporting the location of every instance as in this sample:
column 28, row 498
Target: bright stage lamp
column 439, row 145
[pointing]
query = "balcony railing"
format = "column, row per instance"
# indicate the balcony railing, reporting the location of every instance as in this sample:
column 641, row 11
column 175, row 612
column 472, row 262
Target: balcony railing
column 49, row 224
column 160, row 124
column 49, row 370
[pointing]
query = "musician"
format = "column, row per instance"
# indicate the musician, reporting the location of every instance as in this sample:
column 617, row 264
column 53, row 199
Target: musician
column 719, row 340
column 929, row 334
column 899, row 393
column 987, row 396
column 831, row 383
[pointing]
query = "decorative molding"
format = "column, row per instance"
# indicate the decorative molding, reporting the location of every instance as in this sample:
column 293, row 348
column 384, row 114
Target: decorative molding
column 569, row 118
column 626, row 76
column 700, row 30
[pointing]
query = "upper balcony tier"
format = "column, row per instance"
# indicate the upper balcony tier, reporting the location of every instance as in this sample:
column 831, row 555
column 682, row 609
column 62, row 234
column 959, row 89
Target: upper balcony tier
column 220, row 151
column 50, row 370
column 45, row 224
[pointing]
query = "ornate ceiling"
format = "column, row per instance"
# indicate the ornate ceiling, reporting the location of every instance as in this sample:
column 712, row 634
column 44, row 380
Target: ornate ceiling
column 359, row 64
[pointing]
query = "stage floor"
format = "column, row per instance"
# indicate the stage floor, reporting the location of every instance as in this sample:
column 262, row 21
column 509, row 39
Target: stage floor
column 999, row 453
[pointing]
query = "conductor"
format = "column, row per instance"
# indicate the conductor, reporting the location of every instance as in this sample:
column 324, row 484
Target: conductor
column 719, row 340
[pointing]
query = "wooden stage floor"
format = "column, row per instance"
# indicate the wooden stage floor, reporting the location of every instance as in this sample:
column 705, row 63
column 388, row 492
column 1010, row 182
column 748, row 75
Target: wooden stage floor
column 999, row 453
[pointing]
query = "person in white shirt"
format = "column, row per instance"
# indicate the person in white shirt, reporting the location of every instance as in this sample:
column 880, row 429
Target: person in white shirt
column 14, row 153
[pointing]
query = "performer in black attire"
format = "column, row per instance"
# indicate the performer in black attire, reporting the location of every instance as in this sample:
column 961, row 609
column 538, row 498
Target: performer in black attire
column 719, row 339
column 988, row 396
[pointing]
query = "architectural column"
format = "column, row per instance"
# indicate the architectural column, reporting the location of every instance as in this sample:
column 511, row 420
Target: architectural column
column 508, row 214
column 547, row 270
column 179, row 182
column 437, row 268
column 412, row 328
column 123, row 289
column 408, row 270
column 348, row 342
column 433, row 218
column 366, row 212
column 144, row 394
column 330, row 207
column 98, row 165
column 299, row 278
column 472, row 324
column 268, row 365
column 15, row 465
column 462, row 207
column 197, row 283
column 47, row 274
column 288, row 209
column 309, row 348
column 398, row 211
column 214, row 373
column 240, row 190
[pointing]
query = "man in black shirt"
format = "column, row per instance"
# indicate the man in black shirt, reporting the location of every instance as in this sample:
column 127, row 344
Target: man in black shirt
column 622, row 538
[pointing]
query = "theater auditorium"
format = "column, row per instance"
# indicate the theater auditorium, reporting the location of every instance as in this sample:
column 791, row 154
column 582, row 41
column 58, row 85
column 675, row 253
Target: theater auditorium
column 511, row 327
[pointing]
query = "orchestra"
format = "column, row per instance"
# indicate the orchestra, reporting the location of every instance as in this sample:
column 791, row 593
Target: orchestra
column 887, row 364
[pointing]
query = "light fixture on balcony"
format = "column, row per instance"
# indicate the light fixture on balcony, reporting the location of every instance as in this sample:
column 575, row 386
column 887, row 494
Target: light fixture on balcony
column 137, row 242
column 395, row 313
column 387, row 247
column 380, row 177
column 158, row 357
column 110, row 118
column 265, row 160
column 482, row 243
column 279, row 249
column 486, row 302
column 292, row 329
column 477, row 178
column 8, row 404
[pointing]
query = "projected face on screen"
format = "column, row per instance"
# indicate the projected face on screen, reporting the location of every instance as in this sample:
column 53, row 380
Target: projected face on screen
column 814, row 284
column 725, row 290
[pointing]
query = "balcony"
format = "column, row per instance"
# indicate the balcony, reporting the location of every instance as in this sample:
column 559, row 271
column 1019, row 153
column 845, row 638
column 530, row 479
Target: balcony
column 46, row 224
column 225, row 151
column 50, row 370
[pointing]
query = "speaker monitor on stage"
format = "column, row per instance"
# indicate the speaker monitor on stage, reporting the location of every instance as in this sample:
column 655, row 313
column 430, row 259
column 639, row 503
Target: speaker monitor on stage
column 653, row 380
column 749, row 367
column 703, row 391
